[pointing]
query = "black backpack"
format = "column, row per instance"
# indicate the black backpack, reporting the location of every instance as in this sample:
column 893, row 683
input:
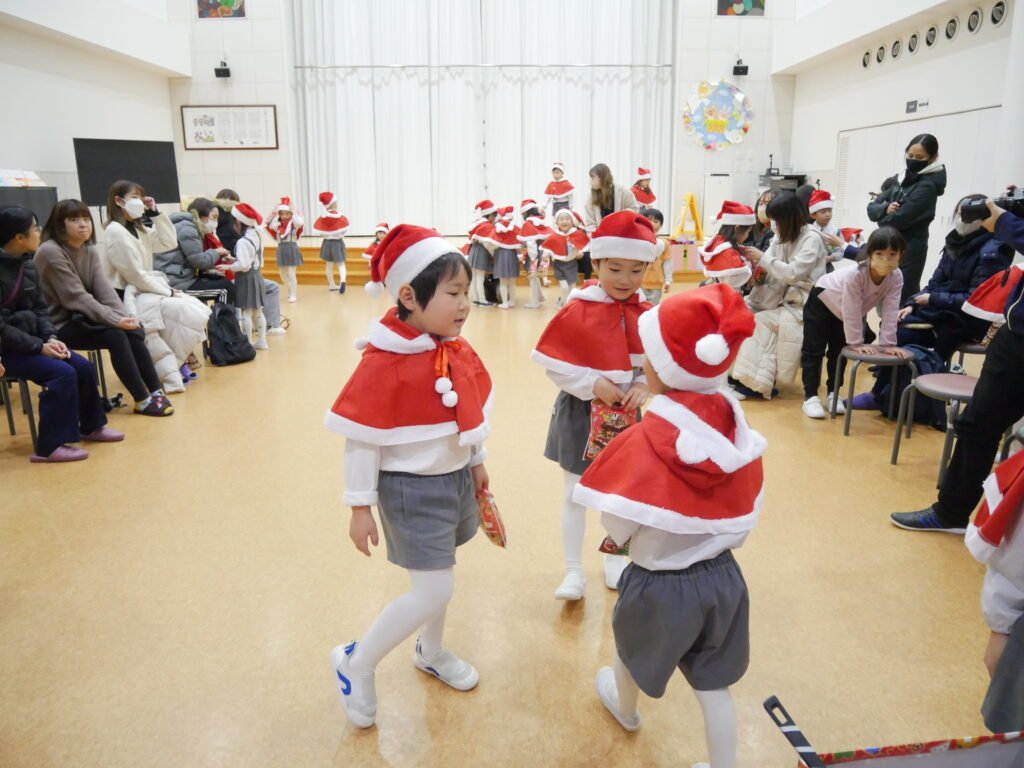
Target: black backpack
column 228, row 345
column 491, row 284
column 926, row 410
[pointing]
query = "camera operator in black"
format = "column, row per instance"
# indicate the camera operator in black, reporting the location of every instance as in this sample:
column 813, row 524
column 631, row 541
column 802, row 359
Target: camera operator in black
column 909, row 207
column 997, row 404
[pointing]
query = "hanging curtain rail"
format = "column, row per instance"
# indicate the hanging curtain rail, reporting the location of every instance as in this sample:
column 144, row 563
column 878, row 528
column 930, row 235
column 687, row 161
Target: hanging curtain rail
column 482, row 66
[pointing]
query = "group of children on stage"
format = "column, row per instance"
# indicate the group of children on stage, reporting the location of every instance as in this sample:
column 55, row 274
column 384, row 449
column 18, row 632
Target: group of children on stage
column 677, row 490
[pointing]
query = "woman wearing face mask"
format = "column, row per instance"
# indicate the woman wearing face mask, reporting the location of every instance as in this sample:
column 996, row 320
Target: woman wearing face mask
column 763, row 233
column 175, row 323
column 198, row 263
column 909, row 207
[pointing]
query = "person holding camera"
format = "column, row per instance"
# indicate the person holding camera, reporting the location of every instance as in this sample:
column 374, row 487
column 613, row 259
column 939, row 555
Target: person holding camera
column 997, row 404
column 909, row 207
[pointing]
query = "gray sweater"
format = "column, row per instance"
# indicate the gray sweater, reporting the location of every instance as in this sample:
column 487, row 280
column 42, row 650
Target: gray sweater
column 181, row 264
column 76, row 281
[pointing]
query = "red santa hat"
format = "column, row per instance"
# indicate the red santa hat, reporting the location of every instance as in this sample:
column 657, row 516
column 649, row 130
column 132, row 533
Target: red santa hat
column 381, row 227
column 989, row 300
column 527, row 205
column 246, row 214
column 558, row 165
column 721, row 259
column 820, row 200
column 624, row 235
column 506, row 212
column 736, row 214
column 485, row 208
column 692, row 338
column 327, row 199
column 403, row 253
column 284, row 205
column 642, row 174
column 849, row 233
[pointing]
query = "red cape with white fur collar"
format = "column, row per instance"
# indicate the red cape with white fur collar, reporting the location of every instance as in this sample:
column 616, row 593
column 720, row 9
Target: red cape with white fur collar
column 1001, row 511
column 693, row 465
column 391, row 399
column 594, row 331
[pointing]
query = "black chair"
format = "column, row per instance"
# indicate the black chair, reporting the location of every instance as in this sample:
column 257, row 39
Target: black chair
column 26, row 406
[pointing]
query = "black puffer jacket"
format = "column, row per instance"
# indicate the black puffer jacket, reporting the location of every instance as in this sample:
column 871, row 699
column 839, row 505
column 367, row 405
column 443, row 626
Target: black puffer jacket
column 25, row 323
column 966, row 264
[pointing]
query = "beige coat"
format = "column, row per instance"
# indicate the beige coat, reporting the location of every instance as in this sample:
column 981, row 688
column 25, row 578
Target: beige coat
column 623, row 200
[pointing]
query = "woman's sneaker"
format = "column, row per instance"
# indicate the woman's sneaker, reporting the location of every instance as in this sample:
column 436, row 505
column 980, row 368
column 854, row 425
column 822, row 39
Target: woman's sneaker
column 840, row 404
column 448, row 668
column 814, row 409
column 358, row 692
column 924, row 520
column 158, row 405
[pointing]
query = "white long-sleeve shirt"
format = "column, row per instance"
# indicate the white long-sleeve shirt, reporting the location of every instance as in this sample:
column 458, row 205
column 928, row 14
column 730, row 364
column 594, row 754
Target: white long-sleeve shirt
column 364, row 462
column 248, row 252
column 658, row 550
column 1002, row 594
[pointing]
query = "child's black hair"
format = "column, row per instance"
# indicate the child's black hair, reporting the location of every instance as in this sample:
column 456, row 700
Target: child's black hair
column 882, row 239
column 15, row 220
column 654, row 213
column 728, row 231
column 424, row 285
column 531, row 211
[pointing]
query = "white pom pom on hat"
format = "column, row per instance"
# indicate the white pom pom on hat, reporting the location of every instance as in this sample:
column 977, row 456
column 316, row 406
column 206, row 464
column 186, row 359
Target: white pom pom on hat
column 712, row 349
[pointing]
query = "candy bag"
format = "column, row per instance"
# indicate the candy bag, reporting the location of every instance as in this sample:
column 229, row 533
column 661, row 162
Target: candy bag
column 490, row 519
column 606, row 422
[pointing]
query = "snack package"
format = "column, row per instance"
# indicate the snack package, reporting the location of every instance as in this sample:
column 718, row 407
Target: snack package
column 606, row 422
column 609, row 547
column 490, row 519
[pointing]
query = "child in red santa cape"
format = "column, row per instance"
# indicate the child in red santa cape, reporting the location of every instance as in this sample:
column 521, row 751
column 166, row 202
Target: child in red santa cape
column 721, row 256
column 591, row 349
column 820, row 207
column 642, row 189
column 559, row 190
column 414, row 415
column 480, row 259
column 332, row 226
column 378, row 235
column 684, row 488
column 532, row 234
column 285, row 226
column 502, row 242
column 564, row 248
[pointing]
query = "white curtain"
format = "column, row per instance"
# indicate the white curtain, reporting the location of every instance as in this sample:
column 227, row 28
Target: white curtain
column 413, row 111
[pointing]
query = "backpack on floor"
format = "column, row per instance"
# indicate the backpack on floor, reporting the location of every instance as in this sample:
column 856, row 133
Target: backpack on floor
column 926, row 410
column 228, row 345
column 491, row 284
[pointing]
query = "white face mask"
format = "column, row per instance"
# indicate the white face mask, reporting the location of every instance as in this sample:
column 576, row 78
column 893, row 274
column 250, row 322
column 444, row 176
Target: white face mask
column 965, row 229
column 134, row 207
column 210, row 225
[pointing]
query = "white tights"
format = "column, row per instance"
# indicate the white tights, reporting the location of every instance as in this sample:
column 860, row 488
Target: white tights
column 476, row 292
column 253, row 320
column 536, row 295
column 423, row 608
column 342, row 273
column 574, row 523
column 291, row 280
column 565, row 289
column 508, row 291
column 717, row 706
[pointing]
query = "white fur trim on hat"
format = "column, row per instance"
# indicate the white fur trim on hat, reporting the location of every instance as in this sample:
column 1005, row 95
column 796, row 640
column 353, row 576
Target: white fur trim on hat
column 610, row 247
column 669, row 371
column 699, row 441
column 739, row 219
column 243, row 218
column 414, row 260
column 822, row 204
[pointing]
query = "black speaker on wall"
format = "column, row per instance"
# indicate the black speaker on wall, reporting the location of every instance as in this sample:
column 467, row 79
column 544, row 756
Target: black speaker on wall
column 101, row 162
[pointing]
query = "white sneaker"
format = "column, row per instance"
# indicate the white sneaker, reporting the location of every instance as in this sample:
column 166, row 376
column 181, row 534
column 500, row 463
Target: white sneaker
column 610, row 698
column 292, row 299
column 531, row 305
column 573, row 585
column 814, row 408
column 358, row 692
column 840, row 405
column 449, row 669
column 261, row 345
column 504, row 306
column 279, row 331
column 614, row 565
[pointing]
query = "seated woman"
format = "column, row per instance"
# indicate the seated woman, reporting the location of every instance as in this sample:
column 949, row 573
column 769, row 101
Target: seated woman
column 175, row 322
column 200, row 261
column 87, row 311
column 788, row 270
column 970, row 256
column 70, row 408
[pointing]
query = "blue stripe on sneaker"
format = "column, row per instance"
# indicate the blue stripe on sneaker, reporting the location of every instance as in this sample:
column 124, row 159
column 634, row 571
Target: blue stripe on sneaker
column 346, row 684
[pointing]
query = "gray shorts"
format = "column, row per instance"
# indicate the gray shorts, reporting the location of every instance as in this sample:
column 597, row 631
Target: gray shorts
column 1004, row 703
column 695, row 620
column 425, row 517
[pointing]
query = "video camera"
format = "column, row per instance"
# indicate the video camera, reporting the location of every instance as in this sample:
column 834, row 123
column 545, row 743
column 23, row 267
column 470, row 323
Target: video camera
column 977, row 210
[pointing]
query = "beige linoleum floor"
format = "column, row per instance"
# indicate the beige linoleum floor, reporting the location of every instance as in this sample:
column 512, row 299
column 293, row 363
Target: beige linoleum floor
column 173, row 600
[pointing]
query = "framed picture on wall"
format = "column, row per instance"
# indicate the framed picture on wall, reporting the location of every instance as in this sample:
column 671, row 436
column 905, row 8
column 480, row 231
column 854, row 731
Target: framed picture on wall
column 220, row 9
column 741, row 7
column 236, row 126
